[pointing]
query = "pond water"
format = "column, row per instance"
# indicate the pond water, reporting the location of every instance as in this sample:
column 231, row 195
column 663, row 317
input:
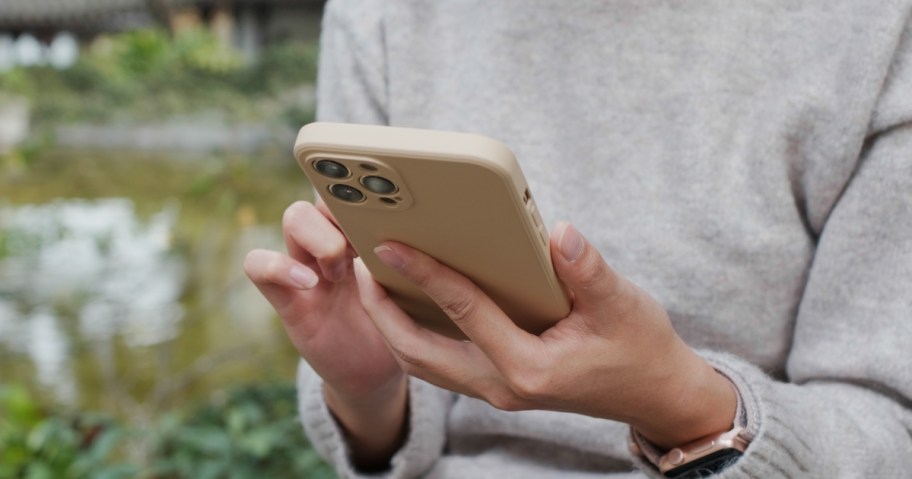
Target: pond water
column 121, row 286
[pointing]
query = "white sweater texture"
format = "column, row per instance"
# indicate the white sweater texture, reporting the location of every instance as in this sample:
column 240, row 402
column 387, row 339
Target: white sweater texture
column 747, row 163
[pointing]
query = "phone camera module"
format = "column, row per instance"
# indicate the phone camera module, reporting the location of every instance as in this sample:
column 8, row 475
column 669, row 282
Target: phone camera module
column 331, row 168
column 347, row 193
column 379, row 185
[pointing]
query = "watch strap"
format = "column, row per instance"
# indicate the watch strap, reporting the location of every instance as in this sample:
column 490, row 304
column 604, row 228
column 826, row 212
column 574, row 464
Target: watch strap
column 708, row 454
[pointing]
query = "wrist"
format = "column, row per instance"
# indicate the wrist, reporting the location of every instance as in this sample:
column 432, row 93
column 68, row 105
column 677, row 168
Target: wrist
column 373, row 424
column 387, row 393
column 699, row 403
column 707, row 455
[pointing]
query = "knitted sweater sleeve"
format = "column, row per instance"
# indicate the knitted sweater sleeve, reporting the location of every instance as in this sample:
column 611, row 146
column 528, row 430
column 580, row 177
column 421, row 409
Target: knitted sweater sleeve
column 428, row 406
column 846, row 410
column 351, row 89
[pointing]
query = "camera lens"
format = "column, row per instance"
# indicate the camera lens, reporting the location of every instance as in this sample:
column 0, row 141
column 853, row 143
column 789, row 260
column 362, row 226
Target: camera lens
column 346, row 193
column 331, row 168
column 378, row 184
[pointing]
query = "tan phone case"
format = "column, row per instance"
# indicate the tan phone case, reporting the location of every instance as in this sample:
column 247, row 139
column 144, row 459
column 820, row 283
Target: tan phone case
column 458, row 197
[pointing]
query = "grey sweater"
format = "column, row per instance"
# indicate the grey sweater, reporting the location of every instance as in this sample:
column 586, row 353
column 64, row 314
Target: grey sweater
column 747, row 163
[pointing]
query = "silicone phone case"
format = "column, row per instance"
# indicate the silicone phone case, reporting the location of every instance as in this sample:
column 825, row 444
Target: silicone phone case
column 459, row 197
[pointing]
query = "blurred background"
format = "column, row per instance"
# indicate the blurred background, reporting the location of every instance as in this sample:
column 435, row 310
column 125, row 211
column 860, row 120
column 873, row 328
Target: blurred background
column 145, row 147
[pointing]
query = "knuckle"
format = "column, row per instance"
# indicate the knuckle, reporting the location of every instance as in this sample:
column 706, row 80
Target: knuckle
column 313, row 231
column 592, row 274
column 408, row 361
column 622, row 299
column 421, row 277
column 258, row 264
column 531, row 384
column 505, row 401
column 598, row 277
column 459, row 307
column 292, row 212
column 273, row 266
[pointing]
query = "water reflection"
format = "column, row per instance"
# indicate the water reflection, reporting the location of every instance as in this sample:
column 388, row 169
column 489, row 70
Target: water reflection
column 92, row 261
column 48, row 347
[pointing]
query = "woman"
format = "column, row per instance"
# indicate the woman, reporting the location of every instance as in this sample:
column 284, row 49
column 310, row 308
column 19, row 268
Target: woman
column 747, row 165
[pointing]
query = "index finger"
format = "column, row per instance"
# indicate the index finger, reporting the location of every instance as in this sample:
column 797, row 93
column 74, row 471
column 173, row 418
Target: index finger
column 311, row 237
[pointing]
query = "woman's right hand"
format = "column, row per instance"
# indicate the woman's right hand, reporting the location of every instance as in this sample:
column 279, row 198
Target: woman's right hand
column 314, row 291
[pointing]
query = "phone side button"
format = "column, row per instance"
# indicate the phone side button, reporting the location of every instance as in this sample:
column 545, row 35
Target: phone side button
column 533, row 211
column 543, row 233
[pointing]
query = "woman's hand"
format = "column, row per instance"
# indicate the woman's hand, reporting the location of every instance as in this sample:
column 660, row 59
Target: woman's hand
column 315, row 294
column 616, row 355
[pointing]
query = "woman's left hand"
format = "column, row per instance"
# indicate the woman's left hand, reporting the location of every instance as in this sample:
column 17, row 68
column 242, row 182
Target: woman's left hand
column 615, row 356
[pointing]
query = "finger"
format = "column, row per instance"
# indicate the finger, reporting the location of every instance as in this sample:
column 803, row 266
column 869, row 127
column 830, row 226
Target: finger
column 322, row 208
column 468, row 306
column 583, row 270
column 278, row 276
column 270, row 267
column 445, row 362
column 310, row 236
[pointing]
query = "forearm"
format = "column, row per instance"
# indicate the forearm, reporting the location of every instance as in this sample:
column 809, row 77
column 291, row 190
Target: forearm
column 375, row 427
column 423, row 428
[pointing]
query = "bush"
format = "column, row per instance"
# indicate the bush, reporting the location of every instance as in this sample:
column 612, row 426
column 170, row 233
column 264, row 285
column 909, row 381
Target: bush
column 36, row 445
column 148, row 75
column 252, row 431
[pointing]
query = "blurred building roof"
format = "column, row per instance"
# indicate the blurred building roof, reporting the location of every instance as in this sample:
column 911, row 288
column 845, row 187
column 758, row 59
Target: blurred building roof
column 35, row 9
column 99, row 15
column 77, row 14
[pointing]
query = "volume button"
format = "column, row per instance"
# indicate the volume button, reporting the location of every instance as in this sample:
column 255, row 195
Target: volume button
column 533, row 211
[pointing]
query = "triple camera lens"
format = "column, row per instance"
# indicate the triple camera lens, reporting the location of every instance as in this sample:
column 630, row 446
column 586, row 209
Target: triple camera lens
column 378, row 184
column 373, row 183
column 331, row 169
column 346, row 193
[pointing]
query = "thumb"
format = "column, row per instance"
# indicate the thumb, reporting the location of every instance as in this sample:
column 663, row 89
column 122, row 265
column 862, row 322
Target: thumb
column 583, row 270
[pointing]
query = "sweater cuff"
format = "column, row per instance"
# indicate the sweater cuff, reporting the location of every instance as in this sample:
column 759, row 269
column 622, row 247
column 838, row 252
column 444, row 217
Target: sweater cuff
column 647, row 455
column 774, row 423
column 428, row 408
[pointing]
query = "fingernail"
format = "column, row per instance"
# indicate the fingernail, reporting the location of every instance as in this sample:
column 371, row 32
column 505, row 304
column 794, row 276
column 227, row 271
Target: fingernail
column 303, row 277
column 389, row 257
column 358, row 267
column 571, row 244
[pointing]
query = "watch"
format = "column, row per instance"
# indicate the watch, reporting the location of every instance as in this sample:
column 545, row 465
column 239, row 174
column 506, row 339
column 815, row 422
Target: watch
column 710, row 454
column 702, row 457
column 705, row 456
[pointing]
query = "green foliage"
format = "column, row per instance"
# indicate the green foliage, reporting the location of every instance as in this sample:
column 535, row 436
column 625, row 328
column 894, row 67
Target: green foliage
column 251, row 432
column 149, row 75
column 35, row 445
column 296, row 115
column 282, row 65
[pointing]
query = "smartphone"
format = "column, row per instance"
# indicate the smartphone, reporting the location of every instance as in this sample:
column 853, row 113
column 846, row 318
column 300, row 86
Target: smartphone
column 458, row 197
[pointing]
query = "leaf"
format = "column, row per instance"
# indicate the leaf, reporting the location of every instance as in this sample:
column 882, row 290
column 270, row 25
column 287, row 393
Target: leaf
column 89, row 462
column 39, row 470
column 116, row 472
column 105, row 444
column 18, row 406
column 209, row 440
column 260, row 442
column 236, row 421
column 211, row 470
